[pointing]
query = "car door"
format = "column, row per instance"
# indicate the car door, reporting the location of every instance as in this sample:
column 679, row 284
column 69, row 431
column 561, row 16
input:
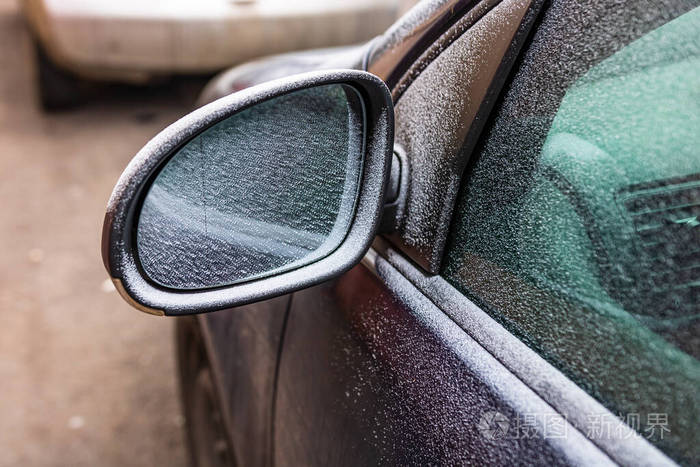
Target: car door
column 506, row 320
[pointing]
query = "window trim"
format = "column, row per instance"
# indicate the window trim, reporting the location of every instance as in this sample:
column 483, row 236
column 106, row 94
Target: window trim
column 624, row 445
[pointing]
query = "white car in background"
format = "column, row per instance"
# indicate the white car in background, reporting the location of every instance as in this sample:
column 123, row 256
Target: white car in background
column 136, row 40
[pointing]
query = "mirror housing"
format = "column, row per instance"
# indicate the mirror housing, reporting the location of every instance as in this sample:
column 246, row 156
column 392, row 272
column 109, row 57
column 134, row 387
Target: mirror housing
column 120, row 250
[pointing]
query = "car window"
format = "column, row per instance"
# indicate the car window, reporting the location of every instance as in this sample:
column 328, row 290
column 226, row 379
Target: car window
column 578, row 222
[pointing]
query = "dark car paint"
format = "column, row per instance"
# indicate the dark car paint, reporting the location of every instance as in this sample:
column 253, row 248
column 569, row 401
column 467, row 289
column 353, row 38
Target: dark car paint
column 372, row 371
column 245, row 346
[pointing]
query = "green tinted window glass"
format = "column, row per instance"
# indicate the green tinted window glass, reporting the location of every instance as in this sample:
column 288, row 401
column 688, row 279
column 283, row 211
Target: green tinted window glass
column 578, row 225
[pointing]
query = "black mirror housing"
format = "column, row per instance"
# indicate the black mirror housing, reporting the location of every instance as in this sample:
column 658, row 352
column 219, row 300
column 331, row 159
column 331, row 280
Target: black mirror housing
column 120, row 251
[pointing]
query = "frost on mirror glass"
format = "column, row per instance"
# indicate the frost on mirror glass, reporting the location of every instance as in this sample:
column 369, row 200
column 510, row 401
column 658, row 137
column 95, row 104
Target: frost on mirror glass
column 578, row 226
column 266, row 190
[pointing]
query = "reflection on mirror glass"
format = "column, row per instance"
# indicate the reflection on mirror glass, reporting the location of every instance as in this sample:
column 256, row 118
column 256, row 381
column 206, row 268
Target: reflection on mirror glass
column 267, row 190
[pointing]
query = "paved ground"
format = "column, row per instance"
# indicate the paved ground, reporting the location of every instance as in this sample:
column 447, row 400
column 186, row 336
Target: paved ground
column 84, row 379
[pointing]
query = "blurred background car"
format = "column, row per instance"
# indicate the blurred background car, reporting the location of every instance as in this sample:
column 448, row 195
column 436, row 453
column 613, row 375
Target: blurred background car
column 135, row 41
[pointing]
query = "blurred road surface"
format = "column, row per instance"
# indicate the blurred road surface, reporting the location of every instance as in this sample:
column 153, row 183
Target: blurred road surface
column 84, row 379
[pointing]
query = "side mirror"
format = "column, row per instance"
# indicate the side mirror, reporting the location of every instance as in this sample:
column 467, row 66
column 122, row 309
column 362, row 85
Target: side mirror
column 261, row 193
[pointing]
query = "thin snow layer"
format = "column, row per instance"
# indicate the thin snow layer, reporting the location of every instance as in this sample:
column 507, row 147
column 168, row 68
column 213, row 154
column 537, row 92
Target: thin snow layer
column 543, row 238
column 434, row 115
column 265, row 189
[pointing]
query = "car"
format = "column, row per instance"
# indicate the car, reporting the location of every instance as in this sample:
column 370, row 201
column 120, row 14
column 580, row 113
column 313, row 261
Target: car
column 473, row 240
column 137, row 42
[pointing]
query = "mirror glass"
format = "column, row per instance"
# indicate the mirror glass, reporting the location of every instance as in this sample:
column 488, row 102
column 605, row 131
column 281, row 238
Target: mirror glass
column 266, row 190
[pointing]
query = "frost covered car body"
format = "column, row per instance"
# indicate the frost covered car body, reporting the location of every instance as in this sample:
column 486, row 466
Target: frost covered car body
column 535, row 302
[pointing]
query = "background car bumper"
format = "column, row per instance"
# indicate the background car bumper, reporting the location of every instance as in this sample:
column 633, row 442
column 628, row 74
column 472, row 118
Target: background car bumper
column 135, row 39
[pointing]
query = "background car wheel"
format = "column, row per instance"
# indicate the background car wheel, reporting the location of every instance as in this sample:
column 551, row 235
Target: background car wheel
column 58, row 89
column 206, row 434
